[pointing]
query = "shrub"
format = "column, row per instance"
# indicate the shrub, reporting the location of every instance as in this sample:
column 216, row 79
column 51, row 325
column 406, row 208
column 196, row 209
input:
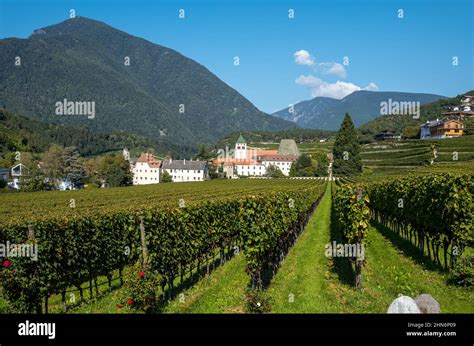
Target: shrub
column 463, row 273
column 166, row 177
column 139, row 289
column 20, row 287
column 258, row 302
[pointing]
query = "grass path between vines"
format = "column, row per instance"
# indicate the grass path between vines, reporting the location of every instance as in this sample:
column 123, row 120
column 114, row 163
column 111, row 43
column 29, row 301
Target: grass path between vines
column 299, row 284
column 318, row 284
column 223, row 291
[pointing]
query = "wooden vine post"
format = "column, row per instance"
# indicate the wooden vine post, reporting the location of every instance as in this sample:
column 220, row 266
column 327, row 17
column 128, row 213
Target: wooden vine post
column 143, row 242
column 359, row 262
column 31, row 238
column 31, row 232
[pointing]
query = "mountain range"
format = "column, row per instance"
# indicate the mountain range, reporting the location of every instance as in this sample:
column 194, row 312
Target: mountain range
column 135, row 85
column 327, row 113
column 18, row 133
column 397, row 123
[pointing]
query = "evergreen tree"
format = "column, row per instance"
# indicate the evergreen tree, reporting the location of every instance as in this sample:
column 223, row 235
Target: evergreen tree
column 73, row 169
column 346, row 150
column 166, row 177
column 204, row 154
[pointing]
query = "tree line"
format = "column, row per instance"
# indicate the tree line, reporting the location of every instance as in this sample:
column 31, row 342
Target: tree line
column 64, row 165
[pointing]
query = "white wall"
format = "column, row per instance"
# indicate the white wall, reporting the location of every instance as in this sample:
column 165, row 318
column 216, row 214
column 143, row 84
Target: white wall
column 240, row 152
column 247, row 170
column 143, row 174
column 283, row 165
column 184, row 175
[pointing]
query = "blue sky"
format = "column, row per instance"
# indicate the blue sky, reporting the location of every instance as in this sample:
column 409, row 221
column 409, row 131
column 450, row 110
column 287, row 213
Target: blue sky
column 283, row 60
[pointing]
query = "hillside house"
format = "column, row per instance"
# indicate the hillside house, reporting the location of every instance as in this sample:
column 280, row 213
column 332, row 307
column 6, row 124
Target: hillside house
column 386, row 135
column 437, row 129
column 17, row 171
column 465, row 109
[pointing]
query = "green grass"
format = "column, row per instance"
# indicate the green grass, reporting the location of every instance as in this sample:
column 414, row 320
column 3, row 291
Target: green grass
column 4, row 308
column 104, row 302
column 223, row 291
column 323, row 285
column 299, row 285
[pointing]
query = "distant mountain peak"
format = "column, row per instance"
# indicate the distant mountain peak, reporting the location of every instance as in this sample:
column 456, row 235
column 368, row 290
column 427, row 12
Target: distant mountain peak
column 136, row 85
column 72, row 25
column 363, row 105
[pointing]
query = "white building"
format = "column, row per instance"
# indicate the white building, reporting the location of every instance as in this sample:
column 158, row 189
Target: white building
column 146, row 170
column 126, row 154
column 254, row 162
column 18, row 171
column 425, row 132
column 250, row 168
column 186, row 170
column 438, row 129
column 283, row 162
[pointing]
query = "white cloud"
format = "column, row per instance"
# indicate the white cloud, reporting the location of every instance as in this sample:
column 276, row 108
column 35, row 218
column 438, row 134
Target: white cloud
column 337, row 90
column 371, row 87
column 333, row 68
column 309, row 81
column 302, row 57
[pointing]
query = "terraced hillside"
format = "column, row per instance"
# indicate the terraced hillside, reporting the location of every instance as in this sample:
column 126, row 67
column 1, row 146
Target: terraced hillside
column 387, row 156
column 392, row 156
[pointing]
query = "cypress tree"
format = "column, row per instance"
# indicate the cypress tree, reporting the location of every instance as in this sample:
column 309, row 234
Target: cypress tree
column 346, row 150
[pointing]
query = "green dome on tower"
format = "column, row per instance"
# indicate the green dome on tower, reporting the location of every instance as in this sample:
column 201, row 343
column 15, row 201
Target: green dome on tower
column 241, row 140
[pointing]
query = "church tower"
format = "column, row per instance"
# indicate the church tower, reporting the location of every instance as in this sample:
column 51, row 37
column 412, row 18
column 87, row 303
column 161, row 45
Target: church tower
column 240, row 148
column 126, row 154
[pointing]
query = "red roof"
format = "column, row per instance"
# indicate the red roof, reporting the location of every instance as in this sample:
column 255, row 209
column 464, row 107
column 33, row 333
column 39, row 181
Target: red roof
column 232, row 161
column 258, row 152
column 247, row 162
column 278, row 158
column 150, row 159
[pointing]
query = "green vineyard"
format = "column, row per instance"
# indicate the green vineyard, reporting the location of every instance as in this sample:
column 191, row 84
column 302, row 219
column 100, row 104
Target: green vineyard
column 184, row 239
column 172, row 239
column 26, row 208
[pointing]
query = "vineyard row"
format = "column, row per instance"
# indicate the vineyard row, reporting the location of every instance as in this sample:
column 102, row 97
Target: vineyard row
column 78, row 249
